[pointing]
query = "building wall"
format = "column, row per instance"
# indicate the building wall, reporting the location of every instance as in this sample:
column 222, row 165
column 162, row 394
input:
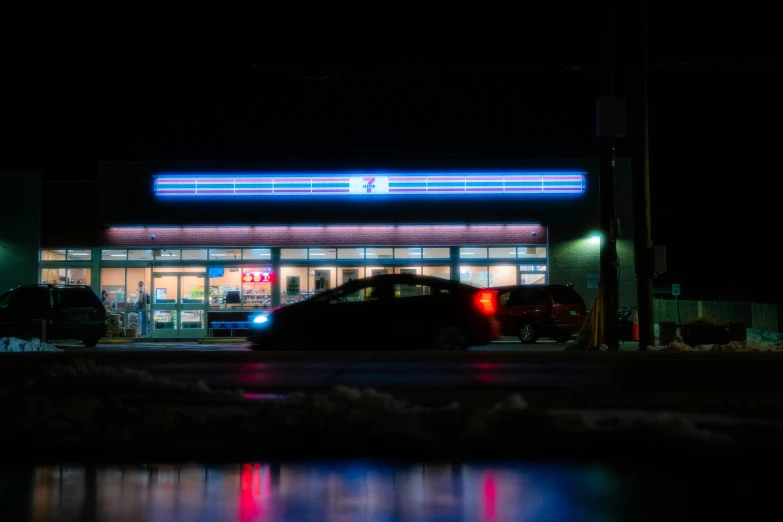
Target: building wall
column 125, row 199
column 574, row 255
column 327, row 235
column 20, row 226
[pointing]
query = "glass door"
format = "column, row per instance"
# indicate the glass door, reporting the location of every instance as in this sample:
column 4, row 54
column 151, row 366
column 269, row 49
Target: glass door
column 192, row 308
column 178, row 308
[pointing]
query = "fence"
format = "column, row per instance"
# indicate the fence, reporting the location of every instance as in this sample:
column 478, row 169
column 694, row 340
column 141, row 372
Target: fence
column 767, row 317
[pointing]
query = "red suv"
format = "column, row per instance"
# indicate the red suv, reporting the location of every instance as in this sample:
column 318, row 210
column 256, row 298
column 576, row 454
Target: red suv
column 533, row 311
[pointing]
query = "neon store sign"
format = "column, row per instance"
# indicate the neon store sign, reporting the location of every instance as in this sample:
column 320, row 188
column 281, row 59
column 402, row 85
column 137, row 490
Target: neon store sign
column 516, row 184
column 257, row 277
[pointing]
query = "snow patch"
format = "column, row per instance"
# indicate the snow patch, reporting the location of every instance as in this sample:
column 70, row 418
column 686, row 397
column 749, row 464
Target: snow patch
column 12, row 344
column 734, row 346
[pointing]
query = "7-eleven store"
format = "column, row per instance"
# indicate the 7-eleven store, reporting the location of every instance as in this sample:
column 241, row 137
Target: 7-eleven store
column 214, row 247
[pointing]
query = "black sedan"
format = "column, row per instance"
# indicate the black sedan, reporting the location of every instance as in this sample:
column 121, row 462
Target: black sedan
column 400, row 312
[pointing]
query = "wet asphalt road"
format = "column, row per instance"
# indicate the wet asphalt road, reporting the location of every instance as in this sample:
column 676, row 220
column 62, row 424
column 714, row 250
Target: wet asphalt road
column 727, row 383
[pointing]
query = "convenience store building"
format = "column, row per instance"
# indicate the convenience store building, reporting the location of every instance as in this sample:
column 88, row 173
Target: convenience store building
column 215, row 244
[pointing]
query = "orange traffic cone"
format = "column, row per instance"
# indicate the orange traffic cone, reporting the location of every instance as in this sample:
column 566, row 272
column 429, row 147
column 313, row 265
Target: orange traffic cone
column 635, row 332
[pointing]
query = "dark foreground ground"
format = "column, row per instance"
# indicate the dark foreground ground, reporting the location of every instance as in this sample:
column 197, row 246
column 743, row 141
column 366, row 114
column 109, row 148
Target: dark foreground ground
column 177, row 405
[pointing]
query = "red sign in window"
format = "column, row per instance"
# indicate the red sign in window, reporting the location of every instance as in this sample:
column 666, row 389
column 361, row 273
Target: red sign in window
column 257, row 277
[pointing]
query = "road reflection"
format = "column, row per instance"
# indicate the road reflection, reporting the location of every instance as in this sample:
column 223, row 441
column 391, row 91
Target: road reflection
column 334, row 492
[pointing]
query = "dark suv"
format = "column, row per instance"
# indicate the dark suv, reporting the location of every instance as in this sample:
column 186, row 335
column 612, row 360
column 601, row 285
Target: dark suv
column 53, row 312
column 533, row 311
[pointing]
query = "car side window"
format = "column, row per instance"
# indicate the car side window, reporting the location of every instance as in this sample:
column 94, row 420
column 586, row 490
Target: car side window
column 369, row 293
column 5, row 301
column 532, row 296
column 403, row 290
column 504, row 298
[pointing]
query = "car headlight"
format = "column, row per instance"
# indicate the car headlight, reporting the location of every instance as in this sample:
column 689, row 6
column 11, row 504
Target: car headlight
column 260, row 319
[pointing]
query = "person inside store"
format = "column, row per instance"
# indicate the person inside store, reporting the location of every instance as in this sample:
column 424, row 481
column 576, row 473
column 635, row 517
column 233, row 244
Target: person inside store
column 142, row 299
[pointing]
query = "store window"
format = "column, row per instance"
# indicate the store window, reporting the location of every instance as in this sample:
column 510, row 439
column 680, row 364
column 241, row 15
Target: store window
column 532, row 268
column 472, row 253
column 225, row 254
column 113, row 283
column 474, row 275
column 245, row 287
column 348, row 274
column 137, row 315
column 502, row 275
column 65, row 276
column 372, row 271
column 508, row 252
column 179, row 269
column 257, row 286
column 264, row 254
column 408, row 253
column 225, row 286
column 137, row 278
column 415, row 270
column 350, row 253
column 293, row 253
column 199, row 254
column 322, row 279
column 139, row 255
column 379, row 253
column 317, row 254
column 293, row 284
column 114, row 255
column 531, row 252
column 52, row 255
column 532, row 279
column 443, row 272
column 168, row 255
column 437, row 253
column 79, row 255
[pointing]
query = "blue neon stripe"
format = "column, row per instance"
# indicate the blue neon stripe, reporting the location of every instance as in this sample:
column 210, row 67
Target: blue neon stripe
column 330, row 185
column 254, row 185
column 436, row 184
column 523, row 183
column 421, row 184
column 292, row 185
column 485, row 183
column 562, row 183
column 176, row 186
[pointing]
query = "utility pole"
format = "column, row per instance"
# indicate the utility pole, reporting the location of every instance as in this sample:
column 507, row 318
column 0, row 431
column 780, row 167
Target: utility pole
column 611, row 122
column 641, row 187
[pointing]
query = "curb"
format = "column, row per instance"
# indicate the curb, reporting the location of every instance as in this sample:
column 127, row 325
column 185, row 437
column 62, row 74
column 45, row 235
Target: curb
column 222, row 340
column 116, row 340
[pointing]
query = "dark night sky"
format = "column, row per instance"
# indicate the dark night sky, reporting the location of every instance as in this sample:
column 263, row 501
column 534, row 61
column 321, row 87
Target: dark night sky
column 715, row 103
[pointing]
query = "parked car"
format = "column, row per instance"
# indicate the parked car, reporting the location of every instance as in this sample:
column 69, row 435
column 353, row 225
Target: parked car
column 401, row 311
column 533, row 311
column 68, row 312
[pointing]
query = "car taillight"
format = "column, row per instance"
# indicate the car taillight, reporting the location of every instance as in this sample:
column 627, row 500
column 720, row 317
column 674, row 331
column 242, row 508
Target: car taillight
column 100, row 310
column 485, row 302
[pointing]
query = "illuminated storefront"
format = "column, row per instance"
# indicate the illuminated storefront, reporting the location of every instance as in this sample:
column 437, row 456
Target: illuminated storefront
column 313, row 232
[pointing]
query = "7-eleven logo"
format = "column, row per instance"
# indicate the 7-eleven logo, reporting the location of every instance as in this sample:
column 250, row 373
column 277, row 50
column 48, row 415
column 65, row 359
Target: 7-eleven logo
column 365, row 184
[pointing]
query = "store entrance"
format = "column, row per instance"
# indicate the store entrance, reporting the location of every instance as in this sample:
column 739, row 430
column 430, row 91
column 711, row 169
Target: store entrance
column 178, row 305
